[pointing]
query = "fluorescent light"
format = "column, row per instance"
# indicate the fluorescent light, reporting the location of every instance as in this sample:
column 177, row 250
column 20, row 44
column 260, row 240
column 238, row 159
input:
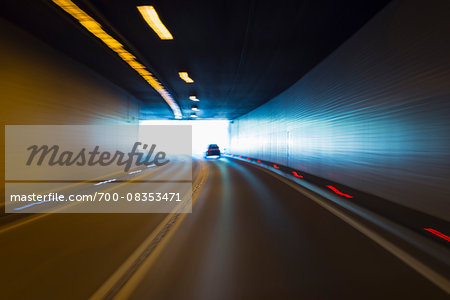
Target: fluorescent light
column 151, row 17
column 96, row 29
column 193, row 98
column 193, row 115
column 185, row 77
column 195, row 108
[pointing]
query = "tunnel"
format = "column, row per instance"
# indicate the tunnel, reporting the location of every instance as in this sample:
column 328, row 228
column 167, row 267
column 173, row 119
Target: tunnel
column 242, row 149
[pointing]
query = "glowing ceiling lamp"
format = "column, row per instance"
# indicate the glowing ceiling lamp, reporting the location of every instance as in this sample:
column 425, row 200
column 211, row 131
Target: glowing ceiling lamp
column 193, row 115
column 195, row 108
column 185, row 77
column 151, row 17
column 96, row 29
column 194, row 98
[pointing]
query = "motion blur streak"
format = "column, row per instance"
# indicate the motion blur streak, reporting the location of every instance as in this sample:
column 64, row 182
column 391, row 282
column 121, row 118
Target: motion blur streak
column 151, row 17
column 374, row 115
column 96, row 29
column 185, row 77
column 338, row 192
column 31, row 204
column 439, row 234
column 296, row 175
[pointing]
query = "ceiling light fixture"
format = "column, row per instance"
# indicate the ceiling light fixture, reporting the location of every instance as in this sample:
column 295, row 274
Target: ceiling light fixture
column 185, row 77
column 195, row 108
column 96, row 29
column 194, row 98
column 193, row 115
column 151, row 17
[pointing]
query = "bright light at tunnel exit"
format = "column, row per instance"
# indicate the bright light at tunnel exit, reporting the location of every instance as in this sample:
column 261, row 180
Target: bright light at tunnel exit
column 204, row 132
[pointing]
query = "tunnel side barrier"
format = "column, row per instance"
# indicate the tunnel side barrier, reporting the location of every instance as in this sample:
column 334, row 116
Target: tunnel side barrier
column 373, row 116
column 407, row 217
column 424, row 249
column 41, row 86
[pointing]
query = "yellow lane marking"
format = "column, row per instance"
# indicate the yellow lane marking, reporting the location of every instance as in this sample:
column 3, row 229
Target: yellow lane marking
column 149, row 248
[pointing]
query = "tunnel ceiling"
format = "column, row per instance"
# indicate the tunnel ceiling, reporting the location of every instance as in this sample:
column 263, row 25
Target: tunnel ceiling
column 240, row 53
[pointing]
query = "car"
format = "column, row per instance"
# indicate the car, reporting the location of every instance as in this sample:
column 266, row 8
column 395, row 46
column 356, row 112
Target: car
column 213, row 150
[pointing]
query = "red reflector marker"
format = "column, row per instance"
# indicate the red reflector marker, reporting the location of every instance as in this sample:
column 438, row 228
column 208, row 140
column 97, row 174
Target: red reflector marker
column 258, row 161
column 239, row 156
column 296, row 175
column 439, row 234
column 338, row 192
column 248, row 158
column 276, row 167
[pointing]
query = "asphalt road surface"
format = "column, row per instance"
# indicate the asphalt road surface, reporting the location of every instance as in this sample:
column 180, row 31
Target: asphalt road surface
column 250, row 236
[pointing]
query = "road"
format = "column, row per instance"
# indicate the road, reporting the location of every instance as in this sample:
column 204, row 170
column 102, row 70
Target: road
column 250, row 236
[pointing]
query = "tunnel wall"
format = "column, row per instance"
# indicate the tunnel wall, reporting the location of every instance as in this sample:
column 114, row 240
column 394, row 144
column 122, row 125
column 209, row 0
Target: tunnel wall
column 374, row 115
column 40, row 85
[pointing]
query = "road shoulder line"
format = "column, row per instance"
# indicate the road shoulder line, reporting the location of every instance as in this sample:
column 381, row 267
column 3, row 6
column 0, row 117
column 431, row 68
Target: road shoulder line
column 420, row 267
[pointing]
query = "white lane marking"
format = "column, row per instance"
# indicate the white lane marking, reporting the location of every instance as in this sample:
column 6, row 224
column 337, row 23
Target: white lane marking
column 36, row 217
column 32, row 204
column 106, row 181
column 408, row 259
column 134, row 172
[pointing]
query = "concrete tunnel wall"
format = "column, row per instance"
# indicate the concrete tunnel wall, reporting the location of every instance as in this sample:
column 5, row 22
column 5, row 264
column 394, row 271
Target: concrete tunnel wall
column 374, row 115
column 41, row 86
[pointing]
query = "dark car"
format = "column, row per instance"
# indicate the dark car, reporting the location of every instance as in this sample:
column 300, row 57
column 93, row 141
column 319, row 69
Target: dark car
column 213, row 150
